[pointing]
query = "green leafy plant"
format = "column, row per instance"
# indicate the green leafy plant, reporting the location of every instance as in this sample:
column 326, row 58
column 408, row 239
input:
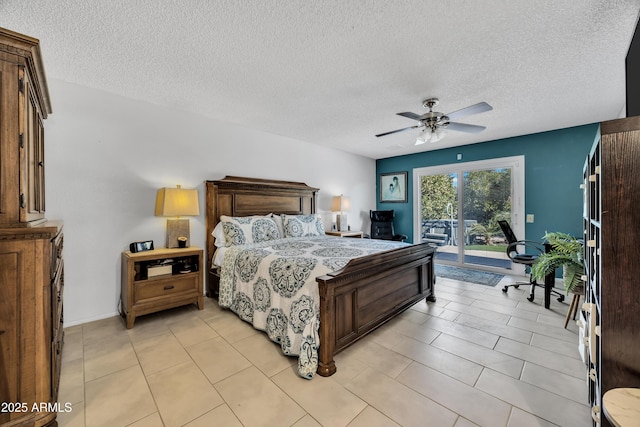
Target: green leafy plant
column 566, row 252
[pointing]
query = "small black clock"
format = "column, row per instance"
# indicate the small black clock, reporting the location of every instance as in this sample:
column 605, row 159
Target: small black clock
column 147, row 245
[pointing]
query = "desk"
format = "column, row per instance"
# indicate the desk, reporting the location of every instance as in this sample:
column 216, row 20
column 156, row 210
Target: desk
column 621, row 406
column 549, row 281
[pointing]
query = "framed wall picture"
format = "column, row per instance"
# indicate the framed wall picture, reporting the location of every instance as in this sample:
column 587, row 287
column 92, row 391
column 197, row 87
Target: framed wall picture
column 393, row 187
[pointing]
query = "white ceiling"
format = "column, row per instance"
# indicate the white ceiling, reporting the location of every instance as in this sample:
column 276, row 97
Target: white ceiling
column 335, row 72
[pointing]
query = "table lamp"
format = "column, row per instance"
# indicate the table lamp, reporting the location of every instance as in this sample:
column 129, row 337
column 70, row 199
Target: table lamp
column 341, row 204
column 177, row 202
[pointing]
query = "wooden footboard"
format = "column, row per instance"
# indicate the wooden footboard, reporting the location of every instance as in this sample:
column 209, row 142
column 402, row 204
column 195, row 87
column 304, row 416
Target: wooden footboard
column 367, row 293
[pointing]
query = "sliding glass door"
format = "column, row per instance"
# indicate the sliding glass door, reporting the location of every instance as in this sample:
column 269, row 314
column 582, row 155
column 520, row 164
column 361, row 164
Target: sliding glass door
column 438, row 216
column 458, row 207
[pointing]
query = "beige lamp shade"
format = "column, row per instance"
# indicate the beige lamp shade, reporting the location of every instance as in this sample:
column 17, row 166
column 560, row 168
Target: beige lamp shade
column 177, row 202
column 340, row 204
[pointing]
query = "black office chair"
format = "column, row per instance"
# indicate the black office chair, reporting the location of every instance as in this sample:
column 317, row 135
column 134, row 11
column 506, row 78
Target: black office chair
column 382, row 226
column 524, row 258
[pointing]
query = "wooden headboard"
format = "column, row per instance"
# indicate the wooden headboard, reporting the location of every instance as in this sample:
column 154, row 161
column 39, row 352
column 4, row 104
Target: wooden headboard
column 239, row 196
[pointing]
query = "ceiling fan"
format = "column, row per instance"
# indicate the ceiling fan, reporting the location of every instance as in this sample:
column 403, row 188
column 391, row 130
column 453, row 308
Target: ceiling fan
column 433, row 123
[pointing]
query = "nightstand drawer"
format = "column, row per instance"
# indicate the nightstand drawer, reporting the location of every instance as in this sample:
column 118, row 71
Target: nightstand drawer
column 149, row 289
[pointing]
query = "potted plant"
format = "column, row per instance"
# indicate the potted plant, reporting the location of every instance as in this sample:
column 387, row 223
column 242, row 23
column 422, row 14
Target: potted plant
column 566, row 252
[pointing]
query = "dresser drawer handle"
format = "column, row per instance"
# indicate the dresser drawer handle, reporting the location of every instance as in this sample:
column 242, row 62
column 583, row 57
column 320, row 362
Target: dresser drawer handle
column 168, row 287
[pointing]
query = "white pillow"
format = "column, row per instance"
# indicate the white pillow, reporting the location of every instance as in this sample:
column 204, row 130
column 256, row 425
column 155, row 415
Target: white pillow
column 302, row 225
column 278, row 220
column 248, row 229
column 218, row 236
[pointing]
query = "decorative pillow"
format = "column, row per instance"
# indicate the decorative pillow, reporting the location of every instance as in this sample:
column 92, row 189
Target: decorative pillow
column 249, row 229
column 302, row 225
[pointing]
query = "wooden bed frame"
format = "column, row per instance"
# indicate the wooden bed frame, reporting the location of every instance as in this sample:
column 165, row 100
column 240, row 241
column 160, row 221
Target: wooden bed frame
column 354, row 301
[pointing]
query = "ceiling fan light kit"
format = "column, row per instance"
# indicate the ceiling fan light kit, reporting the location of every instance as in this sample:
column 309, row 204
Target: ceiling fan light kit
column 430, row 135
column 433, row 123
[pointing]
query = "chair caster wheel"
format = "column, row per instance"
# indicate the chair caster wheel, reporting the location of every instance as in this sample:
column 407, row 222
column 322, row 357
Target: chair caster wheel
column 561, row 298
column 530, row 298
column 505, row 289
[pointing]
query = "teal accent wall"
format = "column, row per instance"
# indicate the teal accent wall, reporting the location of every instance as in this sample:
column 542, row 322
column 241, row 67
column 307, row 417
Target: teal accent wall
column 553, row 173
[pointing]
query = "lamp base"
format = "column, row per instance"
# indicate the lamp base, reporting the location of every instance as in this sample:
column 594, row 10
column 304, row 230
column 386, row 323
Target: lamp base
column 177, row 228
column 341, row 222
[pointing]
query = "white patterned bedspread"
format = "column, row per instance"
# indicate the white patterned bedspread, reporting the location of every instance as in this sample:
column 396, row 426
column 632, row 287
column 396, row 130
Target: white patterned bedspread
column 272, row 285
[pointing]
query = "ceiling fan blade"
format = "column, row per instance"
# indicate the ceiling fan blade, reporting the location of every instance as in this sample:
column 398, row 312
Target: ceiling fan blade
column 398, row 130
column 463, row 127
column 480, row 107
column 409, row 115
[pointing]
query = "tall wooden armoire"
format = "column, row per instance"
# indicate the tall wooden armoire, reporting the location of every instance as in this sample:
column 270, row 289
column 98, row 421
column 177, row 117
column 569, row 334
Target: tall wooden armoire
column 31, row 266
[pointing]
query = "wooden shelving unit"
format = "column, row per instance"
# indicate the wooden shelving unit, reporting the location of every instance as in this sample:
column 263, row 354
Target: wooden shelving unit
column 612, row 242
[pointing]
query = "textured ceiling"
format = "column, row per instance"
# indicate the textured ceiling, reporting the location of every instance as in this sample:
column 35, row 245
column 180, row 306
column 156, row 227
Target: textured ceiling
column 335, row 72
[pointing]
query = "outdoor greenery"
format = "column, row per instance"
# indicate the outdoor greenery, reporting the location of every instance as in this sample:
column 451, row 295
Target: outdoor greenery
column 442, row 192
column 566, row 252
column 487, row 199
column 487, row 193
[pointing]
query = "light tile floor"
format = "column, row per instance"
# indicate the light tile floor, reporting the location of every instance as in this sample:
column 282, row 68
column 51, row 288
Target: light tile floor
column 475, row 357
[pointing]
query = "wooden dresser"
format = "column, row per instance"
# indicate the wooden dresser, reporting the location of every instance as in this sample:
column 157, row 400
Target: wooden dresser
column 31, row 262
column 612, row 236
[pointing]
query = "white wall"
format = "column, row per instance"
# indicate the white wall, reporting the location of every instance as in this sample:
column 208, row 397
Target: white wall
column 107, row 155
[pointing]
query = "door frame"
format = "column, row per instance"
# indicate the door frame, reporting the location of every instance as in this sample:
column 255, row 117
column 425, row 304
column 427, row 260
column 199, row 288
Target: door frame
column 517, row 165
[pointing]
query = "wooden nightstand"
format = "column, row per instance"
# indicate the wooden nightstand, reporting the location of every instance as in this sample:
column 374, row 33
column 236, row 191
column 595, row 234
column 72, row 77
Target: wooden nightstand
column 359, row 234
column 160, row 279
